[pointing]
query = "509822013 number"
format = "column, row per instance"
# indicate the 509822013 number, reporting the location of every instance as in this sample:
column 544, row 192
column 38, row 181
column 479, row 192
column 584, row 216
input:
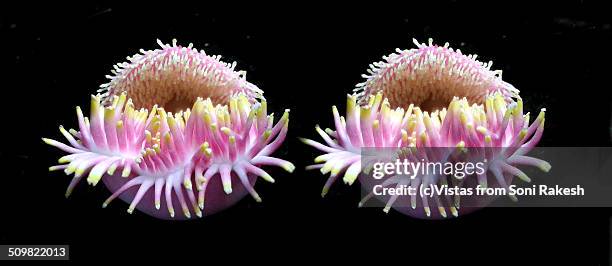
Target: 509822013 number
column 36, row 252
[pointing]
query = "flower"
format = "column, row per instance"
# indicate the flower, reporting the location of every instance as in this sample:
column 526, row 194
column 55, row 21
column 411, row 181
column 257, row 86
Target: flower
column 161, row 151
column 452, row 101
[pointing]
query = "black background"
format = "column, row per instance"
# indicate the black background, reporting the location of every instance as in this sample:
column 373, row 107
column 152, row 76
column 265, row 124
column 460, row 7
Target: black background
column 305, row 57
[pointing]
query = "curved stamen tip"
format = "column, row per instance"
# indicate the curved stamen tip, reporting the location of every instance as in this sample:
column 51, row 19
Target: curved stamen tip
column 93, row 178
column 524, row 177
column 545, row 166
column 349, row 179
column 442, row 211
column 324, row 192
column 289, row 167
column 513, row 198
column 227, row 188
column 126, row 172
column 268, row 178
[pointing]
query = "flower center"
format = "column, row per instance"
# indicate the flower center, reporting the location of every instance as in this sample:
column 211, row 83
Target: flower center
column 173, row 93
column 430, row 76
column 430, row 94
column 174, row 77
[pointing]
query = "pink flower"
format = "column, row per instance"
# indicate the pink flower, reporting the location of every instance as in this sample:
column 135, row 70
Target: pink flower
column 174, row 156
column 493, row 126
